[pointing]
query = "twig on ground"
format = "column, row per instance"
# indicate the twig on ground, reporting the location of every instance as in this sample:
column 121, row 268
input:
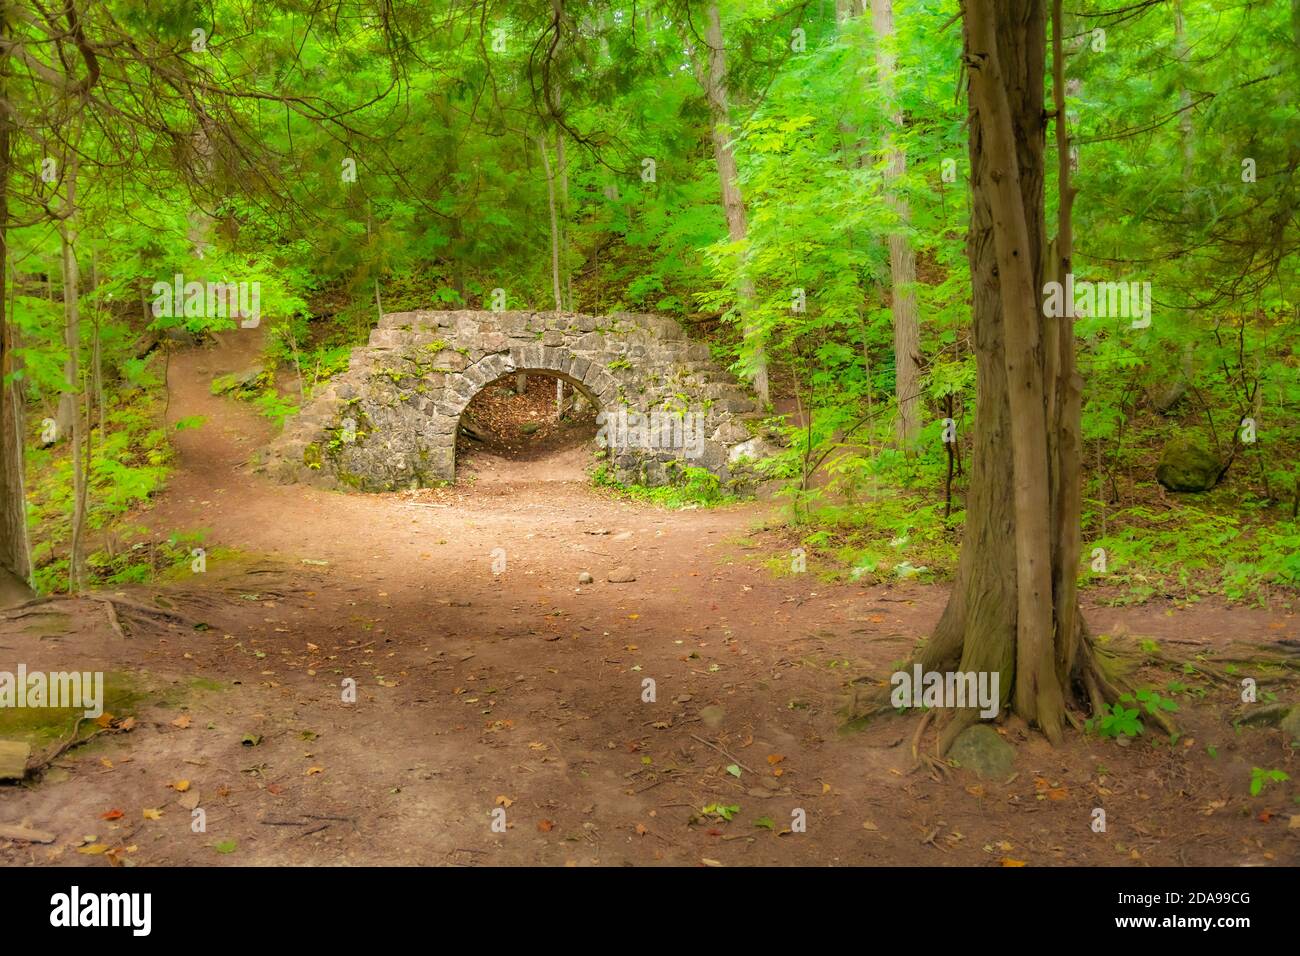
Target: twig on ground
column 724, row 753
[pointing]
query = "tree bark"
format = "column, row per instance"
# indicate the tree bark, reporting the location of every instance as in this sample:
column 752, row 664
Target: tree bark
column 555, row 227
column 1065, row 390
column 72, row 340
column 902, row 260
column 14, row 566
column 714, row 80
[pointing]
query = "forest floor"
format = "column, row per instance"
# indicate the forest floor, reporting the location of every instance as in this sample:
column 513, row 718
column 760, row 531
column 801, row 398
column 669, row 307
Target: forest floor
column 522, row 691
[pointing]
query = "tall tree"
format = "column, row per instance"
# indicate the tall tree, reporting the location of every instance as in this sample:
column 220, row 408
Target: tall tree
column 68, row 235
column 1013, row 607
column 13, row 526
column 714, row 80
column 902, row 259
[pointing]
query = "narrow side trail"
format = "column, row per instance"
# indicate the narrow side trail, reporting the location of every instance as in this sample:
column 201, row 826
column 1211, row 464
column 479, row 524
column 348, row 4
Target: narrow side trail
column 603, row 719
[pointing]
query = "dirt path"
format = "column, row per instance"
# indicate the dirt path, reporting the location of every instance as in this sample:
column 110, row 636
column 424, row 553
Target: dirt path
column 516, row 689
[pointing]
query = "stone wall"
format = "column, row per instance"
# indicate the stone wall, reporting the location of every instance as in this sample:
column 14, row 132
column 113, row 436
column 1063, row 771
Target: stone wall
column 389, row 422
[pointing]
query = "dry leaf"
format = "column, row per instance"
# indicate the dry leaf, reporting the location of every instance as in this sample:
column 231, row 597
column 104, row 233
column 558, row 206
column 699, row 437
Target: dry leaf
column 1007, row 861
column 868, row 825
column 312, row 771
column 182, row 721
column 504, row 801
column 112, row 815
column 546, row 826
column 150, row 814
column 180, row 786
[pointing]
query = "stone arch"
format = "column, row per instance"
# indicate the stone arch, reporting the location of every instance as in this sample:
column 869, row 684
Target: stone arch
column 592, row 381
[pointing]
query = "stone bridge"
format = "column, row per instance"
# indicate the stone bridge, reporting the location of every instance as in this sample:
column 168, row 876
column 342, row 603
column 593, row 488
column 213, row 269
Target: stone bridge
column 390, row 421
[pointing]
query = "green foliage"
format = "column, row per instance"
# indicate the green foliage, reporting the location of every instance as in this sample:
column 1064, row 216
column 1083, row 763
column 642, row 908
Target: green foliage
column 129, row 464
column 690, row 488
column 1124, row 717
column 1121, row 721
column 1260, row 778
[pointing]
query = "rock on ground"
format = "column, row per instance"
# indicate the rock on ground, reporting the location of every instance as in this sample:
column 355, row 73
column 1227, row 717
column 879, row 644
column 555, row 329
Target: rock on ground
column 982, row 750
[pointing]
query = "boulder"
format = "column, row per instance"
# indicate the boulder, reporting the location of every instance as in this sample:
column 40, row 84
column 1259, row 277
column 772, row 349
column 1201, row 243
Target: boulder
column 754, row 450
column 1290, row 725
column 1187, row 465
column 981, row 749
column 245, row 381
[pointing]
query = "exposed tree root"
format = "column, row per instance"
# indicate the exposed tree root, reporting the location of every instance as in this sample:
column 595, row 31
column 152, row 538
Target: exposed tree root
column 916, row 737
column 139, row 614
column 1095, row 676
column 961, row 719
column 38, row 765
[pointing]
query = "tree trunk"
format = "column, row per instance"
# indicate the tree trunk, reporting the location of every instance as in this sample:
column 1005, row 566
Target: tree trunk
column 714, row 80
column 1013, row 606
column 72, row 339
column 902, row 260
column 96, row 348
column 555, row 227
column 14, row 566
